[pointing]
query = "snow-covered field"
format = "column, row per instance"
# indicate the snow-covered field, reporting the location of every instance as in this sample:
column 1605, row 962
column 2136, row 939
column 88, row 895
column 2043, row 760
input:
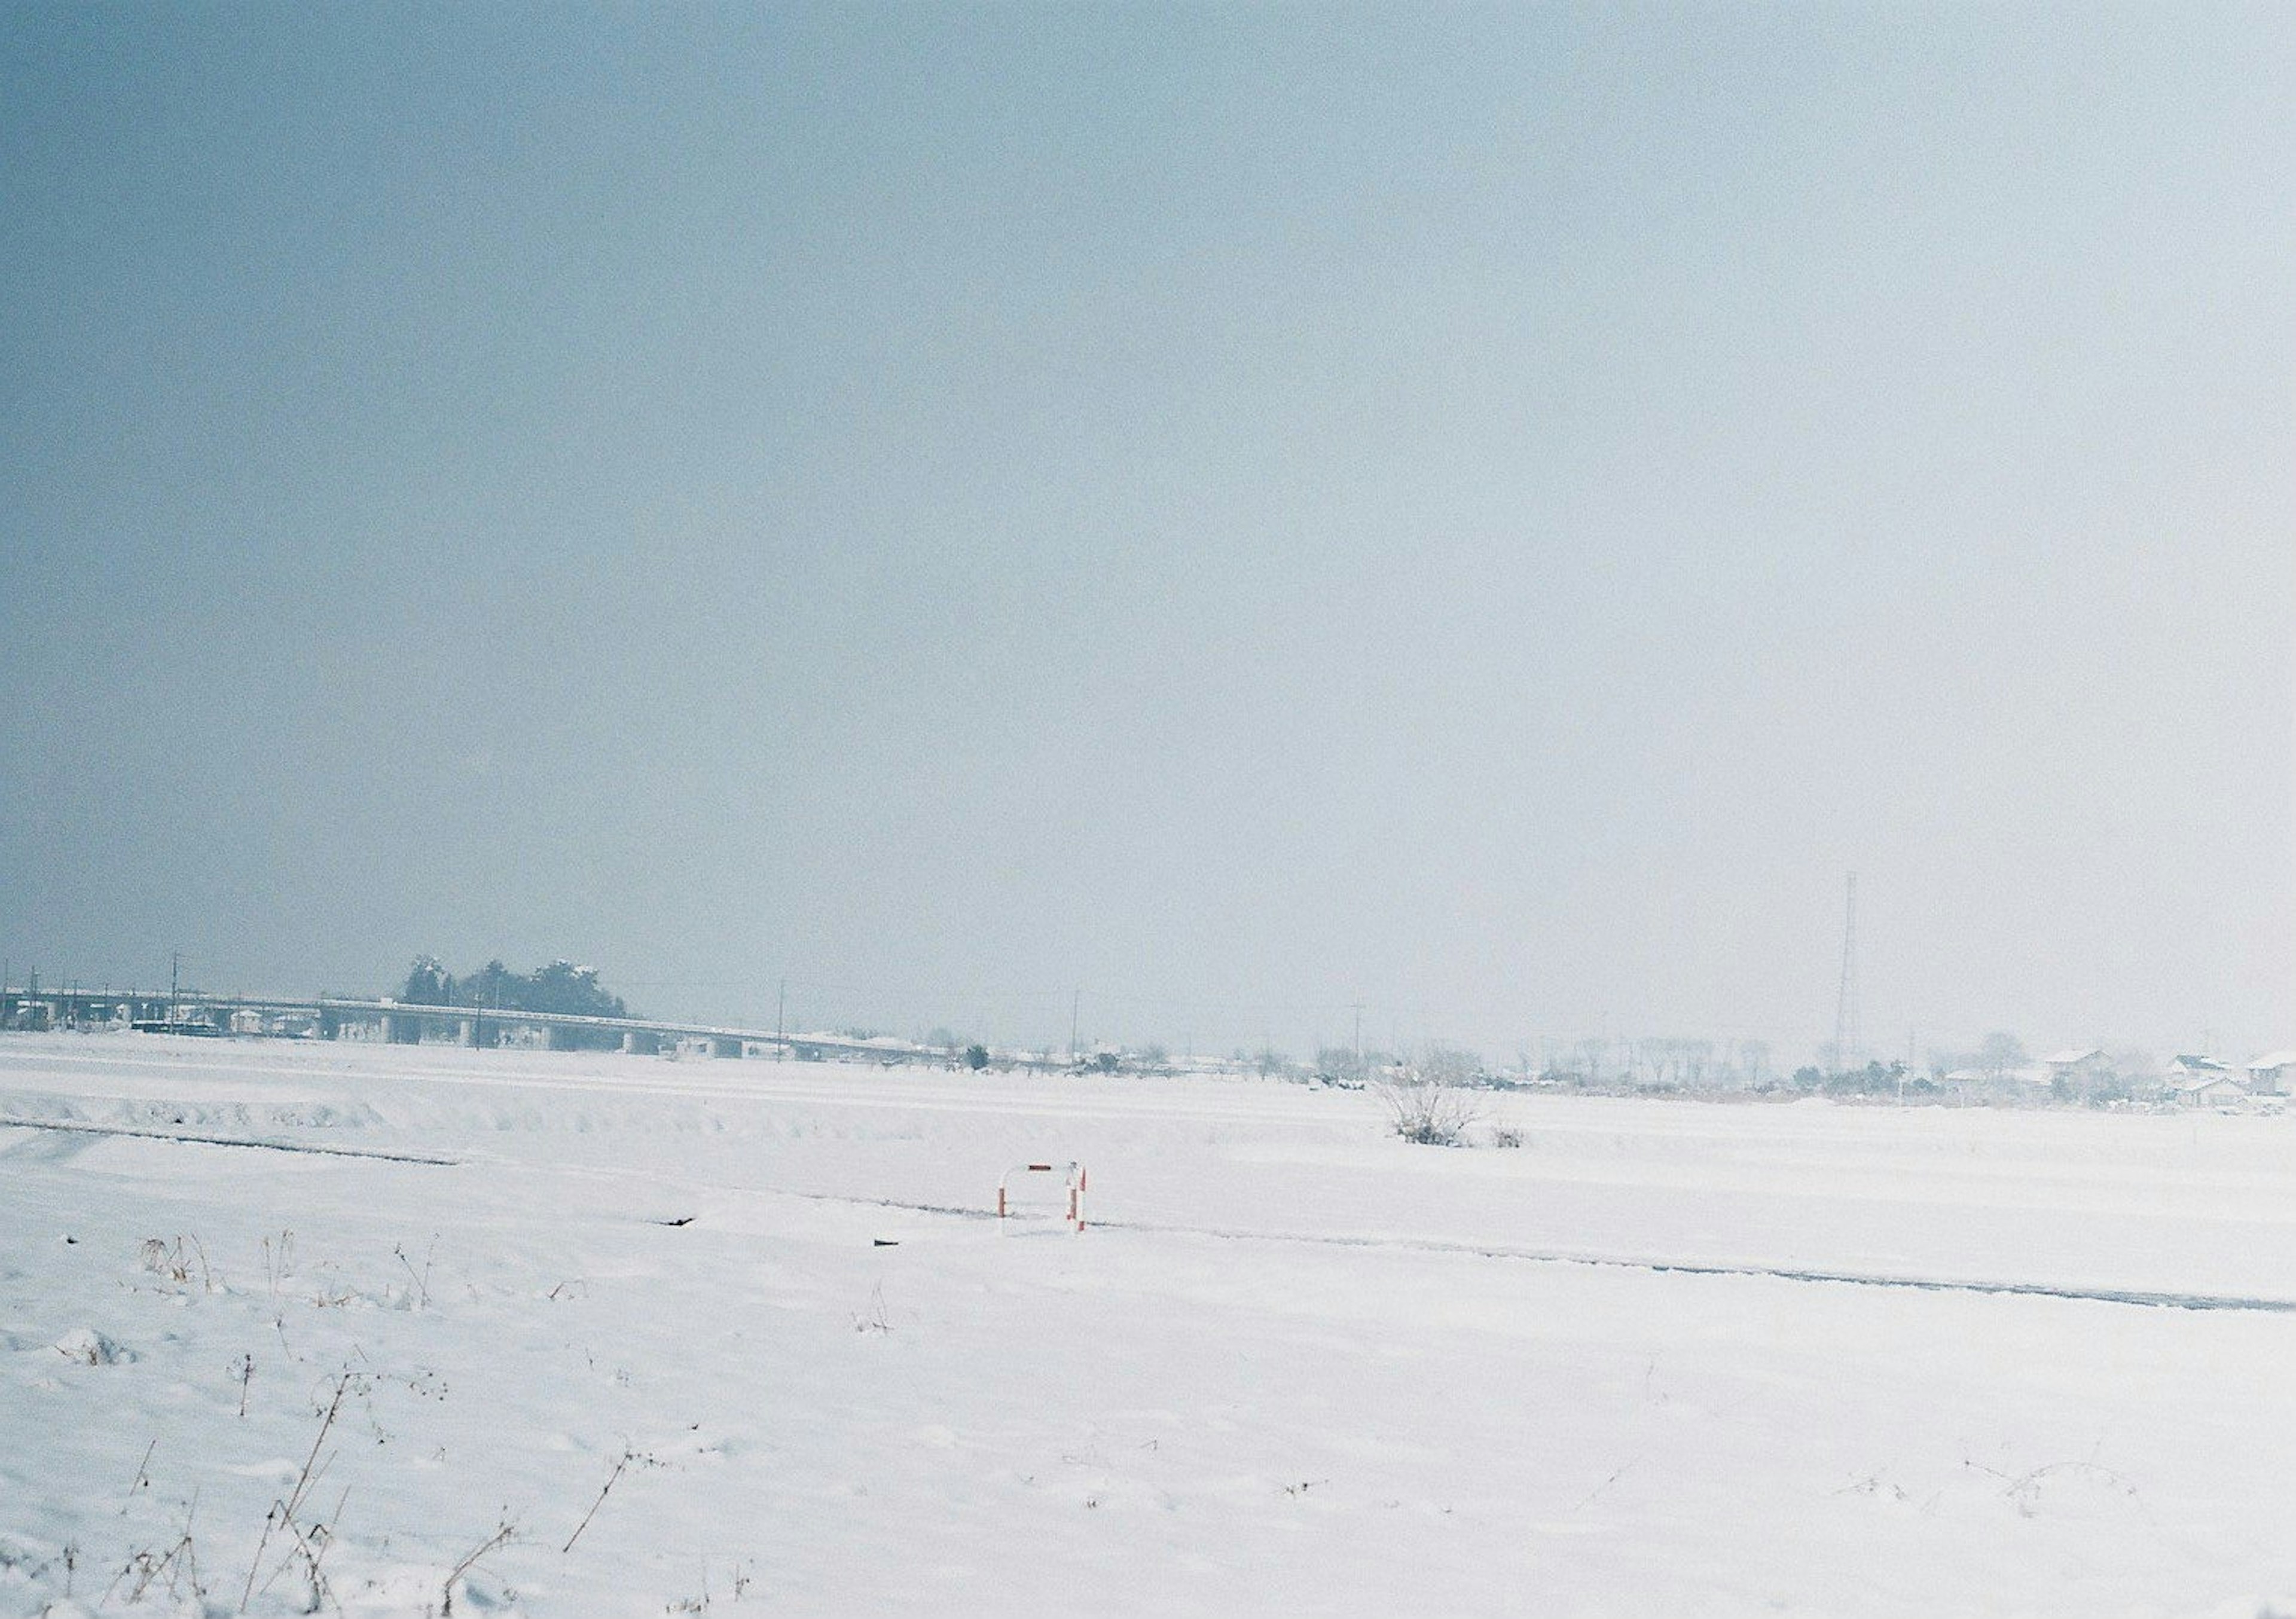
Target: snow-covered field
column 1298, row 1369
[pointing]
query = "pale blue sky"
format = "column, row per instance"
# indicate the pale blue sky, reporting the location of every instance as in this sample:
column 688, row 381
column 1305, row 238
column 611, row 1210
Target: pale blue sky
column 1488, row 511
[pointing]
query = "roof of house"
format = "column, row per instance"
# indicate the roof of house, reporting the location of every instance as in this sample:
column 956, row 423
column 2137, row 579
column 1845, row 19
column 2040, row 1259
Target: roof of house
column 2066, row 1060
column 2273, row 1060
column 2205, row 1081
column 2199, row 1065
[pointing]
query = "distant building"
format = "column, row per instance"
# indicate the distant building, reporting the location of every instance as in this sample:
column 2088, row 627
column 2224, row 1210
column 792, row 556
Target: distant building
column 2201, row 1081
column 2269, row 1074
column 2081, row 1071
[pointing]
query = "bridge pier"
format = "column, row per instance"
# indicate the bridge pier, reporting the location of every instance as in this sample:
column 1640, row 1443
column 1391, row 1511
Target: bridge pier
column 466, row 1032
column 722, row 1046
column 641, row 1043
column 390, row 1029
column 558, row 1037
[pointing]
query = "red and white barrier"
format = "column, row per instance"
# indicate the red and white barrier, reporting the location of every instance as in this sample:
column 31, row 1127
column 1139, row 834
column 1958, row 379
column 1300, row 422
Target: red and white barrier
column 1077, row 1181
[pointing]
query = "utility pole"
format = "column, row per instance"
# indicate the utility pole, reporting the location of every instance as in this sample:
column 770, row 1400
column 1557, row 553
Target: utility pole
column 1845, row 1006
column 175, row 973
column 780, row 1021
column 1076, row 1010
column 1359, row 1037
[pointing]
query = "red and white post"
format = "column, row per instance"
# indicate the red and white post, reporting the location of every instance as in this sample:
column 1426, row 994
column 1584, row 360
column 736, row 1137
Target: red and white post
column 1076, row 1178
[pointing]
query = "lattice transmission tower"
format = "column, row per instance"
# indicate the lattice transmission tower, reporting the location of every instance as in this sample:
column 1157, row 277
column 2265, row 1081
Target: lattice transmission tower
column 1845, row 1006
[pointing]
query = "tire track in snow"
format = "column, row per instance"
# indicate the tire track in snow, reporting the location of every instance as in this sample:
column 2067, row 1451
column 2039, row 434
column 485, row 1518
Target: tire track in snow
column 226, row 1140
column 2138, row 1298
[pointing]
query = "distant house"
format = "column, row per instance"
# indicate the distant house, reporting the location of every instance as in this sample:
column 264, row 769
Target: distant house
column 2268, row 1075
column 2201, row 1081
column 2015, row 1086
column 2079, row 1071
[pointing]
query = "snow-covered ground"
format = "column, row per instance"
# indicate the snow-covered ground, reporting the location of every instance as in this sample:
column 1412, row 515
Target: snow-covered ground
column 1297, row 1367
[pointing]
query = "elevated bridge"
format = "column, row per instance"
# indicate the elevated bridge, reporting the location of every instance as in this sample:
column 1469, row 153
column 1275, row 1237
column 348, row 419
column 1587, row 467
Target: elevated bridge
column 404, row 1022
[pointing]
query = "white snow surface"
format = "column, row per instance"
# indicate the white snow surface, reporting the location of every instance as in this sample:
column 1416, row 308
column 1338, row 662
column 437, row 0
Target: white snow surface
column 1296, row 1367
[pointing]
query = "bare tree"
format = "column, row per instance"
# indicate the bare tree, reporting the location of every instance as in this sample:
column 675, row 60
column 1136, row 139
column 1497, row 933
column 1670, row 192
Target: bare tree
column 2000, row 1054
column 1449, row 1065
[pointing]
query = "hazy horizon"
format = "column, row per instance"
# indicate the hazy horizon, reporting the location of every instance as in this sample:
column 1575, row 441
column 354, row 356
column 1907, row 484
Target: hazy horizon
column 1487, row 514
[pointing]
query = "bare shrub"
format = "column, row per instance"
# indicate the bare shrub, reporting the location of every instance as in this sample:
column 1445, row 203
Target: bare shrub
column 420, row 1297
column 174, row 1263
column 505, row 1532
column 628, row 1455
column 1427, row 1111
column 305, row 1538
column 1429, row 1098
column 876, row 1319
column 180, row 1563
column 1507, row 1135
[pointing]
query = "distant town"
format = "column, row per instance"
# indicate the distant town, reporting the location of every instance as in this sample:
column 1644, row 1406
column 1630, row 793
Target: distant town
column 561, row 1006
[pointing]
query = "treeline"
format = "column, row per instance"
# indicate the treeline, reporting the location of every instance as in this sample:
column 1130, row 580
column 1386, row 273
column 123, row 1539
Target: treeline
column 560, row 987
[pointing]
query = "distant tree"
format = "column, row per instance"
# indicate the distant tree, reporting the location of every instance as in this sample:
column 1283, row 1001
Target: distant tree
column 563, row 988
column 1873, row 1079
column 944, row 1039
column 560, row 987
column 1449, row 1065
column 1152, row 1056
column 428, row 983
column 1807, row 1079
column 494, row 985
column 976, row 1058
column 2134, row 1069
column 2111, row 1087
column 1105, row 1061
column 2000, row 1055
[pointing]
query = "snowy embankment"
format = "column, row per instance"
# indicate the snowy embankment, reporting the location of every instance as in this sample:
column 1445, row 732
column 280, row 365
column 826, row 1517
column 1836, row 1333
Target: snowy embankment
column 622, row 1336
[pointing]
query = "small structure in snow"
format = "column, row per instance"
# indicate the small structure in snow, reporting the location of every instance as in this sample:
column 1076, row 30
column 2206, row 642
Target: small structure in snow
column 1076, row 1179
